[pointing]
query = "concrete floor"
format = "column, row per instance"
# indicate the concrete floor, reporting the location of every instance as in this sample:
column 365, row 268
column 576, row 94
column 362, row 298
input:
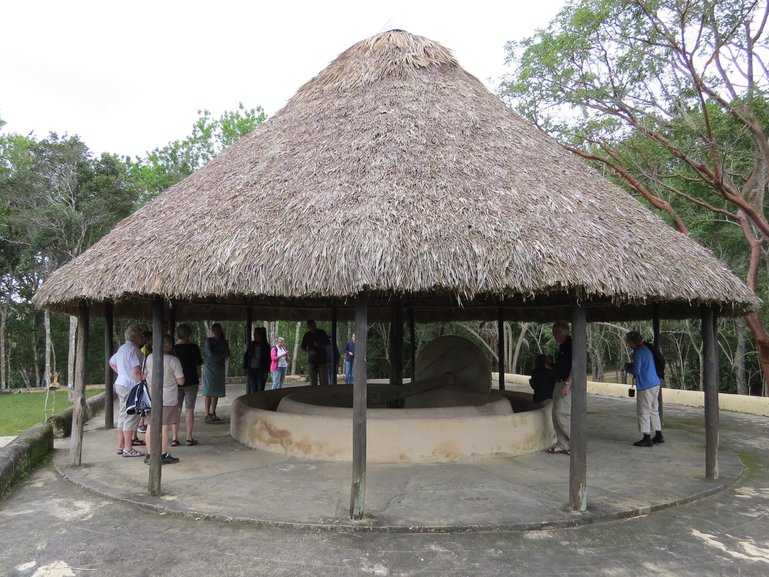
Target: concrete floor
column 650, row 512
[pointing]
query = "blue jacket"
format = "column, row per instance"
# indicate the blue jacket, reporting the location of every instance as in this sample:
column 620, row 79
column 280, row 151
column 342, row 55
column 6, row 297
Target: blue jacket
column 643, row 369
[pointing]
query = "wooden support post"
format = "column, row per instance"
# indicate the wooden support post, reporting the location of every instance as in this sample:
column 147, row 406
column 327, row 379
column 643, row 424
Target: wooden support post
column 333, row 363
column 501, row 348
column 358, row 492
column 109, row 350
column 396, row 341
column 156, row 393
column 710, row 386
column 657, row 347
column 79, row 409
column 578, row 431
column 413, row 347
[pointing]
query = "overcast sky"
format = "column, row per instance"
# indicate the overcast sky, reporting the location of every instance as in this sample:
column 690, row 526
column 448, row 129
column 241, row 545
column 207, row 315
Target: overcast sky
column 129, row 77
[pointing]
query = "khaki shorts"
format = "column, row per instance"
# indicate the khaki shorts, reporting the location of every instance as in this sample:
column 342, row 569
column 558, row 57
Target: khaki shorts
column 171, row 415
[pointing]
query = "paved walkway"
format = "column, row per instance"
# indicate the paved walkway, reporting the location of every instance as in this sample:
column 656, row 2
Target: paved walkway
column 62, row 529
column 223, row 479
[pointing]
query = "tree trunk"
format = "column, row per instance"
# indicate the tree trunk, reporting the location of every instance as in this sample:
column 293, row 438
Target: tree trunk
column 48, row 346
column 762, row 344
column 739, row 359
column 3, row 359
column 507, row 331
column 37, row 377
column 296, row 347
column 71, row 356
column 754, row 320
column 518, row 345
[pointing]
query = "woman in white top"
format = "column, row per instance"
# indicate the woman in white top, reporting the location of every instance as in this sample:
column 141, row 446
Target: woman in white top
column 173, row 378
column 279, row 364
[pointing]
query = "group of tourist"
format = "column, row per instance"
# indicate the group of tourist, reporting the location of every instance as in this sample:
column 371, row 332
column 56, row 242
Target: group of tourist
column 133, row 363
column 262, row 359
column 553, row 381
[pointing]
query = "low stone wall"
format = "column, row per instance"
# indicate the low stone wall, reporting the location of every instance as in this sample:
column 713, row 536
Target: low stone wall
column 30, row 448
column 62, row 422
column 726, row 401
column 23, row 454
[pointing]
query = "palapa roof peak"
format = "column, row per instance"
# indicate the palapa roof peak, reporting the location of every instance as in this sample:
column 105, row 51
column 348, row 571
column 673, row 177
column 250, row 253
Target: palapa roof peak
column 394, row 53
column 397, row 172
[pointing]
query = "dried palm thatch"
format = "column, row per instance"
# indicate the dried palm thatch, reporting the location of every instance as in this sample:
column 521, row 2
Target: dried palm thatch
column 396, row 171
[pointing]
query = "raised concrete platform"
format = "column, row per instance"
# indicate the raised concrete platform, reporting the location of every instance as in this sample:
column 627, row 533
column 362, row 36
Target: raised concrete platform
column 221, row 478
column 454, row 426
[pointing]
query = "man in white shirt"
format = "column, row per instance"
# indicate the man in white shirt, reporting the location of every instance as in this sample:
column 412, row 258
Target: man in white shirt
column 127, row 363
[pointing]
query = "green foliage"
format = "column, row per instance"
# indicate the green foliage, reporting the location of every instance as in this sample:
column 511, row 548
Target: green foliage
column 164, row 167
column 671, row 97
column 57, row 199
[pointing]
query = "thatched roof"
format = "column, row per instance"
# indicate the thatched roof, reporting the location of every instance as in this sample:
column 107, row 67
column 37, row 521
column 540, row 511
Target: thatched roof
column 396, row 171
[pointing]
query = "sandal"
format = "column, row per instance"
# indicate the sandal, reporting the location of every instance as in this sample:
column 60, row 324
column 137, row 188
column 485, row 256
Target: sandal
column 191, row 442
column 556, row 449
column 132, row 453
column 119, row 451
column 137, row 443
column 175, row 443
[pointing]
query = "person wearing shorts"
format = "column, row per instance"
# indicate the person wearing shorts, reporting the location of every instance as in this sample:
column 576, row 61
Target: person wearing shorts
column 189, row 356
column 173, row 377
column 127, row 363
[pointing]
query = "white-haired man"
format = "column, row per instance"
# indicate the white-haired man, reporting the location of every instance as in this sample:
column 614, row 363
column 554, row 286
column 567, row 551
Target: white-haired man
column 127, row 363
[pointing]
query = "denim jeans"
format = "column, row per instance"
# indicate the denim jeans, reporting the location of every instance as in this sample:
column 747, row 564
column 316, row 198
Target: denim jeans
column 278, row 377
column 348, row 364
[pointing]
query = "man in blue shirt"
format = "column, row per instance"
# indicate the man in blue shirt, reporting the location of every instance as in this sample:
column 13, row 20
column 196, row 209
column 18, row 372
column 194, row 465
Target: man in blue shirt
column 648, row 385
column 349, row 360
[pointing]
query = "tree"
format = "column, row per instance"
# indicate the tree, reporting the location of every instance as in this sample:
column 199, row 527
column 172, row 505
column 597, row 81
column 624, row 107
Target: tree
column 164, row 167
column 671, row 97
column 57, row 200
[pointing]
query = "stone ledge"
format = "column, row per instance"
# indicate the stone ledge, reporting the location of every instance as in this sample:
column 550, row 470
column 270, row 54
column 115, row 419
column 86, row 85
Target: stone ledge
column 62, row 422
column 23, row 454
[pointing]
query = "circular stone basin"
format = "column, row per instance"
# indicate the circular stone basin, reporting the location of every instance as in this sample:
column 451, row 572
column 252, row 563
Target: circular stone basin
column 430, row 404
column 316, row 422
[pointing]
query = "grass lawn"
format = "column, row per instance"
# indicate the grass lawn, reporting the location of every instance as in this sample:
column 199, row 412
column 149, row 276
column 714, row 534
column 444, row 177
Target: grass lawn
column 20, row 411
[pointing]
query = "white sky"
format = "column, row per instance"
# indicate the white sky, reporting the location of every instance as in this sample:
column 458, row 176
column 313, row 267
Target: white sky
column 129, row 77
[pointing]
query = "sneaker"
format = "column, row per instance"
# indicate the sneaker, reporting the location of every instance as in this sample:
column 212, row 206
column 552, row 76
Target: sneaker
column 209, row 419
column 643, row 443
column 147, row 459
column 169, row 459
column 215, row 418
column 142, row 429
column 658, row 439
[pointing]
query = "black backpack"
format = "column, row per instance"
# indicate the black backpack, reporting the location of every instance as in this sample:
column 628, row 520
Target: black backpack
column 659, row 360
